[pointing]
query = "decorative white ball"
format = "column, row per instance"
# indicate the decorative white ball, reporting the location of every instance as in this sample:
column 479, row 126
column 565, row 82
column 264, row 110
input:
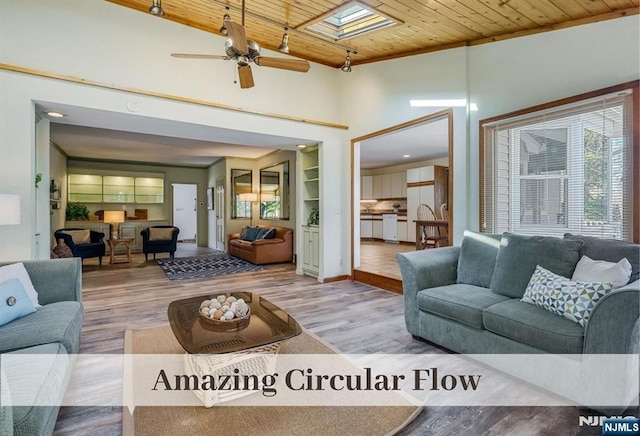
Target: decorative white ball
column 205, row 311
column 230, row 300
column 221, row 298
column 205, row 303
column 224, row 308
column 215, row 304
column 229, row 315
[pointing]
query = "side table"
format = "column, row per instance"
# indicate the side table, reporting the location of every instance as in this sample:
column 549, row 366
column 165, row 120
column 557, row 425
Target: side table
column 113, row 243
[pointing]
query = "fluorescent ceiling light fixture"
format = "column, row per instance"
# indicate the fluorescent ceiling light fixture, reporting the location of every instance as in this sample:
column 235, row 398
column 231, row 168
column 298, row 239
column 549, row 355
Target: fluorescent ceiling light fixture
column 406, row 155
column 451, row 102
column 54, row 114
column 351, row 19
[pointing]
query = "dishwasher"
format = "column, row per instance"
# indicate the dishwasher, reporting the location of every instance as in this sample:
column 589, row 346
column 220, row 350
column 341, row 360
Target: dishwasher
column 390, row 227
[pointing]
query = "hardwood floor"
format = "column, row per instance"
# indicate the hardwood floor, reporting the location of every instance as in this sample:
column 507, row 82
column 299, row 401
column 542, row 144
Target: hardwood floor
column 136, row 295
column 380, row 257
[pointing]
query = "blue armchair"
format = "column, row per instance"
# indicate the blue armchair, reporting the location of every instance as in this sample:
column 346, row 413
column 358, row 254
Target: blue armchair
column 95, row 247
column 159, row 239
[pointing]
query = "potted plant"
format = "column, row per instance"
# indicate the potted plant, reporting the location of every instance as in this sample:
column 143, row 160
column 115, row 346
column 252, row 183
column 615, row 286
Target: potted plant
column 396, row 207
column 54, row 193
column 77, row 212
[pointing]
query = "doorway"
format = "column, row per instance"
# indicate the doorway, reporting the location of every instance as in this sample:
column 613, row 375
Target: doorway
column 394, row 171
column 185, row 209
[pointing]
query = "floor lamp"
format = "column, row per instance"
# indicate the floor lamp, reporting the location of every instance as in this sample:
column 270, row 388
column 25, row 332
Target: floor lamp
column 251, row 197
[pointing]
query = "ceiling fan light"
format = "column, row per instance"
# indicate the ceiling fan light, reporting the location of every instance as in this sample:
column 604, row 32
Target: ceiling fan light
column 346, row 67
column 156, row 8
column 223, row 29
column 284, row 47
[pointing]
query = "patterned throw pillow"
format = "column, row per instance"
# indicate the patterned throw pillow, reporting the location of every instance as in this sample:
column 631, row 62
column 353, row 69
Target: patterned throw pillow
column 266, row 233
column 559, row 295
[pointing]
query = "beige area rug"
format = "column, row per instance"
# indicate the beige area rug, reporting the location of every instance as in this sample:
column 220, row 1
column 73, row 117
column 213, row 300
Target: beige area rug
column 263, row 421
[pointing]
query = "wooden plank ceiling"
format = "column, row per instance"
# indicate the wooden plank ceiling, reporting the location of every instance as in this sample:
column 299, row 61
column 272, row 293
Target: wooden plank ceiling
column 428, row 25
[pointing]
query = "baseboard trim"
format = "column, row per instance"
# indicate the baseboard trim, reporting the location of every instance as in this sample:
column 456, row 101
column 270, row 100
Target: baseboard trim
column 382, row 282
column 336, row 278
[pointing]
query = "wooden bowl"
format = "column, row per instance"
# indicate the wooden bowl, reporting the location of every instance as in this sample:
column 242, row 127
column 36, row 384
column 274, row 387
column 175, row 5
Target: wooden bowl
column 226, row 325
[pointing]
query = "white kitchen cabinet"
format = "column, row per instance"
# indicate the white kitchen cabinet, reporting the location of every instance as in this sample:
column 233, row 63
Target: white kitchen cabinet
column 396, row 185
column 426, row 173
column 366, row 228
column 403, row 184
column 377, row 186
column 366, row 185
column 385, row 188
column 429, row 190
column 413, row 175
column 402, row 231
column 377, row 229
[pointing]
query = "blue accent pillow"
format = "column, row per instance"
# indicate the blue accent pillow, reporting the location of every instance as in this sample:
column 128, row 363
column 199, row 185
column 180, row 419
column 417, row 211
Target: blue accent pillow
column 14, row 302
column 268, row 234
column 251, row 234
column 519, row 255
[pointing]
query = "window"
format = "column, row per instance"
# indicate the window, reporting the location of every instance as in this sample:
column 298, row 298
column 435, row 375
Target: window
column 564, row 167
column 349, row 20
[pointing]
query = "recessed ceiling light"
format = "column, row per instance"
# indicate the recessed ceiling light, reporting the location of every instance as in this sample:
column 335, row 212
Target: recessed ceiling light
column 54, row 114
column 301, row 146
column 406, row 155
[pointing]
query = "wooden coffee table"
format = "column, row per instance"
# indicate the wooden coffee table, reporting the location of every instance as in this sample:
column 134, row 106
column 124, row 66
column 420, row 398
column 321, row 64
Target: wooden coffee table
column 210, row 350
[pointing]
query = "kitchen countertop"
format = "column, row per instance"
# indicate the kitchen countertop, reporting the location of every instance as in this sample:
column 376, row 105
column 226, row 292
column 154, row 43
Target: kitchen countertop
column 381, row 212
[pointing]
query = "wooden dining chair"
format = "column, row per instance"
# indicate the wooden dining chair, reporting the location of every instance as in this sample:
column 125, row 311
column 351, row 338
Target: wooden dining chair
column 444, row 212
column 431, row 234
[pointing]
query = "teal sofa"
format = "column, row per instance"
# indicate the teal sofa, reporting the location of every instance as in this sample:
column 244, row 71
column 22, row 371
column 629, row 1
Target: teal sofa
column 53, row 330
column 467, row 299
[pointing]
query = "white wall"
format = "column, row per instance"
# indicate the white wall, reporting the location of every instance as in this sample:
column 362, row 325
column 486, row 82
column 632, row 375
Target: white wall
column 499, row 77
column 104, row 42
column 523, row 72
column 108, row 43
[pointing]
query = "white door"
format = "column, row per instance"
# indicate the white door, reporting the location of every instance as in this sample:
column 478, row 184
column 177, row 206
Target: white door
column 185, row 208
column 219, row 210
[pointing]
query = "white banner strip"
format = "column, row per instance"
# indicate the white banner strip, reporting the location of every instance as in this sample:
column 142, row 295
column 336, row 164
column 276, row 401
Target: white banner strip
column 256, row 379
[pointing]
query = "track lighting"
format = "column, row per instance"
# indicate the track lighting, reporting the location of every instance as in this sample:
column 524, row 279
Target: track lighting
column 284, row 47
column 156, row 8
column 225, row 18
column 346, row 67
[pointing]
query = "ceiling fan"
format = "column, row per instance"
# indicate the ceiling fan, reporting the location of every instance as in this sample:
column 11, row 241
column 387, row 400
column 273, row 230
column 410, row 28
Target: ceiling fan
column 245, row 51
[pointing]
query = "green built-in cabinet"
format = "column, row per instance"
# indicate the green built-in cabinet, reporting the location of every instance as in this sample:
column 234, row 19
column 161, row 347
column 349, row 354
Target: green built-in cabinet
column 88, row 188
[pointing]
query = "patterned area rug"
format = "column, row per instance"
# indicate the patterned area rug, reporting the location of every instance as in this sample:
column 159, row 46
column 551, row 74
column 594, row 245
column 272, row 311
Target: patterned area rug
column 211, row 265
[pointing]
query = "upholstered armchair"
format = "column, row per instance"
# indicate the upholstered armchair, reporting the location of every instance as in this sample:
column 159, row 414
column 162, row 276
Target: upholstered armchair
column 159, row 239
column 84, row 243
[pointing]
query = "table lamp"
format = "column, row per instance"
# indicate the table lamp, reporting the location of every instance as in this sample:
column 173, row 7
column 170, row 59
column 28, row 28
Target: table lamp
column 114, row 218
column 9, row 209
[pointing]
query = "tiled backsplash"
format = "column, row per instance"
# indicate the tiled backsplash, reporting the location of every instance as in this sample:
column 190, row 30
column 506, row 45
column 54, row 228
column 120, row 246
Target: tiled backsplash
column 383, row 205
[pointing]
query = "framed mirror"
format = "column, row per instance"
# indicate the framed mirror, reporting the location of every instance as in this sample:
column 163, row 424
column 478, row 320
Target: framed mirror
column 241, row 193
column 274, row 192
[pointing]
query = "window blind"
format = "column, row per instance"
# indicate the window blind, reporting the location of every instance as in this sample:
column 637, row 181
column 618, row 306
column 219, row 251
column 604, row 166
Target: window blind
column 566, row 168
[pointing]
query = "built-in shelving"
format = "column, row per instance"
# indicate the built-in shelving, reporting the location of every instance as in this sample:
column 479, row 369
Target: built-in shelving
column 311, row 241
column 87, row 188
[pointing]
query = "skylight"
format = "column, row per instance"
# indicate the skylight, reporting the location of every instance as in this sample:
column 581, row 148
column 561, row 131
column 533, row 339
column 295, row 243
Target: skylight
column 349, row 20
